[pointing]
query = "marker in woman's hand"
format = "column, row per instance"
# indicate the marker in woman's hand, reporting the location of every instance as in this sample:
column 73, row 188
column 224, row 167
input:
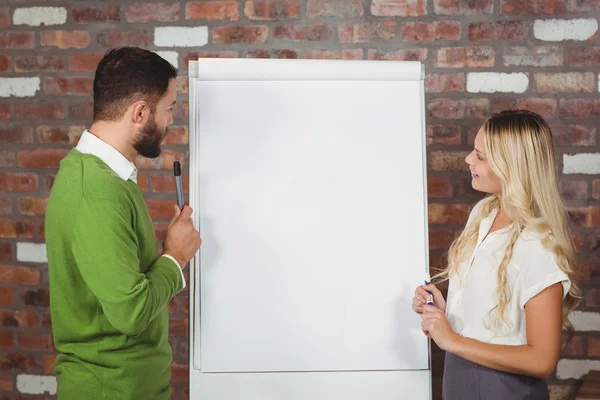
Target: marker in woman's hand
column 427, row 282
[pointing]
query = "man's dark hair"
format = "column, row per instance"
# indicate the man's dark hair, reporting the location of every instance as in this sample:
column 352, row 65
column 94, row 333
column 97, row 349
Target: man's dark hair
column 126, row 75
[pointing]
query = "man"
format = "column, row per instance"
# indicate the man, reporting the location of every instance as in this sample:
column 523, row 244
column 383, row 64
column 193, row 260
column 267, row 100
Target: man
column 109, row 288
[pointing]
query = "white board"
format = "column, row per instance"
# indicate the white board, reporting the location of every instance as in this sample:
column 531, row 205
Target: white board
column 309, row 184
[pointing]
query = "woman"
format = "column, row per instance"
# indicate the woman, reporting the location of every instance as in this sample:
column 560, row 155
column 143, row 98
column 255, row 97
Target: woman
column 511, row 271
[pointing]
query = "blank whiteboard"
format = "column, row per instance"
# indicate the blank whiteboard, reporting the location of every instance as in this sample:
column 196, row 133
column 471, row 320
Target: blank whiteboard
column 308, row 182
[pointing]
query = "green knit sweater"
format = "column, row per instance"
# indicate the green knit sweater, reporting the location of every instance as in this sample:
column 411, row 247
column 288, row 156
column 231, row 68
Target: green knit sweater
column 109, row 289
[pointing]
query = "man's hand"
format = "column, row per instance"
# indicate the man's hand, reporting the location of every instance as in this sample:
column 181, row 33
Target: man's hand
column 182, row 240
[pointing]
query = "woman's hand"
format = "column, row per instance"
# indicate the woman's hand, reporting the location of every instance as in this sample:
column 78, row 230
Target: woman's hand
column 421, row 296
column 436, row 326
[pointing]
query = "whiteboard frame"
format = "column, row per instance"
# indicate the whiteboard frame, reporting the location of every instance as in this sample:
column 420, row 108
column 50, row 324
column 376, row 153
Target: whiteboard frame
column 383, row 385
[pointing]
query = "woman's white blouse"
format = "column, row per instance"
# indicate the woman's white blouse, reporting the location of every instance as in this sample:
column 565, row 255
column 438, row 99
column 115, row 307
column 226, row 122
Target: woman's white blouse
column 472, row 291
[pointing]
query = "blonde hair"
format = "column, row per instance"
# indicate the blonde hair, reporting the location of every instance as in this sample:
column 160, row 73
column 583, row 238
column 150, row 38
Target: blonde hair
column 519, row 148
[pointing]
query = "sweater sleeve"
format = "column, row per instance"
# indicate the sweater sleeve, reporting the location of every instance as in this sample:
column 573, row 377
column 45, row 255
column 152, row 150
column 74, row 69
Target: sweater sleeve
column 106, row 252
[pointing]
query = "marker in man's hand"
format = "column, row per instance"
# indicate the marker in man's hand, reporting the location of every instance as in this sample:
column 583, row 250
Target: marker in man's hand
column 178, row 186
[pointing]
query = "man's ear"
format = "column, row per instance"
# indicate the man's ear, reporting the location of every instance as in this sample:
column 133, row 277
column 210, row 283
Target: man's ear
column 140, row 112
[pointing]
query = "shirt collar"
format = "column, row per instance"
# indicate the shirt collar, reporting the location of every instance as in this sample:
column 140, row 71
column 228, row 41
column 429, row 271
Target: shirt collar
column 91, row 144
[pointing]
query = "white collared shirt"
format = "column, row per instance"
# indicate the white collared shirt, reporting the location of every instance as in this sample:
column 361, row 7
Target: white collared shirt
column 91, row 144
column 472, row 291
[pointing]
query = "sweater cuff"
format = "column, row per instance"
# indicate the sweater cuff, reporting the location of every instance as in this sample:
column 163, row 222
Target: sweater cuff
column 178, row 267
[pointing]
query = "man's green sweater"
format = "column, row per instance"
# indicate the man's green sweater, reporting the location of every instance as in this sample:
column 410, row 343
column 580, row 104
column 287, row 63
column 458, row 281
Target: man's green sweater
column 108, row 287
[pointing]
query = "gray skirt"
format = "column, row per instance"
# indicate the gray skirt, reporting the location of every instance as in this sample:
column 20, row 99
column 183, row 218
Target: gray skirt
column 464, row 380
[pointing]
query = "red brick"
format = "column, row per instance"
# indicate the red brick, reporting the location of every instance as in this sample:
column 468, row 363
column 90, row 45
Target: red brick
column 16, row 134
column 596, row 189
column 19, row 319
column 6, row 206
column 574, row 190
column 41, row 158
column 439, row 239
column 114, row 38
column 439, row 187
column 399, row 8
column 179, row 373
column 349, row 54
column 367, row 32
column 39, row 64
column 178, row 326
column 455, row 214
column 84, row 61
column 574, row 135
column 544, row 107
column 240, row 34
column 537, row 56
column 583, row 5
column 213, row 10
column 34, row 341
column 39, row 111
column 7, row 340
column 39, row 230
column 575, row 348
column 47, row 321
column 501, row 30
column 50, row 134
column 164, row 161
column 166, row 183
column 437, row 83
column 187, row 57
column 18, row 182
column 464, row 57
column 593, row 346
column 160, row 209
column 16, row 40
column 5, row 380
column 272, row 10
column 580, row 216
column 36, row 298
column 583, row 56
column 4, row 111
column 182, row 112
column 48, row 181
column 549, row 7
column 176, row 135
column 463, row 7
column 96, row 14
column 443, row 134
column 448, row 161
column 32, row 206
column 68, row 86
column 81, row 110
column 172, row 306
column 16, row 229
column 18, row 362
column 335, row 8
column 580, row 108
column 65, row 39
column 19, row 275
column 4, row 63
column 568, row 82
column 281, row 53
column 152, row 12
column 6, row 254
column 458, row 109
column 142, row 181
column 430, row 31
column 313, row 32
column 49, row 361
column 4, row 16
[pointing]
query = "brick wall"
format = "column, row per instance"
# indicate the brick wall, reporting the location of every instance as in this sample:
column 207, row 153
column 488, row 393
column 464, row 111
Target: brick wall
column 480, row 55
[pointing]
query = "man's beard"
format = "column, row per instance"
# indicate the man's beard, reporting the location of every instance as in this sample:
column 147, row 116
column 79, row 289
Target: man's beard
column 148, row 140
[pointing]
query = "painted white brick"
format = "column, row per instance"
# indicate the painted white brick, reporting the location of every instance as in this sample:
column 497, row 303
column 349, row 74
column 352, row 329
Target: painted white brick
column 170, row 56
column 554, row 30
column 176, row 36
column 585, row 321
column 36, row 384
column 32, row 252
column 36, row 16
column 19, row 87
column 491, row 82
column 582, row 163
column 568, row 369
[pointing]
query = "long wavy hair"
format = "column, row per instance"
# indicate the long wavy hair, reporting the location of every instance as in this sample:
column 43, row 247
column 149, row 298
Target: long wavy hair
column 520, row 151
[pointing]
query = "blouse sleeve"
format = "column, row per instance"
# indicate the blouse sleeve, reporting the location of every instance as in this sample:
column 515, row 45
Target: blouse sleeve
column 540, row 273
